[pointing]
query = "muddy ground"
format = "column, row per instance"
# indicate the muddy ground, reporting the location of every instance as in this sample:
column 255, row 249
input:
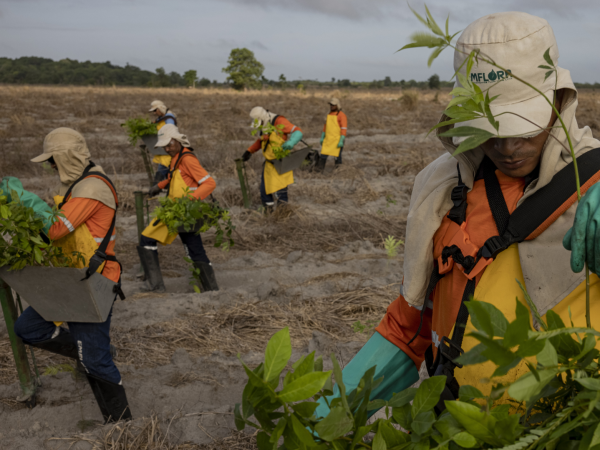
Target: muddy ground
column 318, row 267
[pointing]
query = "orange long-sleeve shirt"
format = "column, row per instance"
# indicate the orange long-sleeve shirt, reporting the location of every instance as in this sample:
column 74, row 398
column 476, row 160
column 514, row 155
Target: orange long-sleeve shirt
column 288, row 128
column 342, row 122
column 194, row 175
column 98, row 218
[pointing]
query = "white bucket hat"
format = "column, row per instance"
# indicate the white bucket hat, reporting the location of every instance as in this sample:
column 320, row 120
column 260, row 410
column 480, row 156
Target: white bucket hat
column 336, row 102
column 516, row 41
column 157, row 104
column 260, row 116
column 168, row 132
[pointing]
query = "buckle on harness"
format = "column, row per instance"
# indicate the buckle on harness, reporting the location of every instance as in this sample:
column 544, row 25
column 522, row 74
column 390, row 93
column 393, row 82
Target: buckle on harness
column 459, row 195
column 448, row 358
column 493, row 246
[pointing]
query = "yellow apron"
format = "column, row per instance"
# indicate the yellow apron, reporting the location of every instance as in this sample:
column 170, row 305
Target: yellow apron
column 165, row 160
column 273, row 181
column 498, row 287
column 160, row 232
column 332, row 137
column 80, row 240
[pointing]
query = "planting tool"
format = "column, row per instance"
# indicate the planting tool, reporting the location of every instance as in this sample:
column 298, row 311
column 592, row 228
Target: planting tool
column 26, row 379
column 292, row 161
column 241, row 170
column 147, row 164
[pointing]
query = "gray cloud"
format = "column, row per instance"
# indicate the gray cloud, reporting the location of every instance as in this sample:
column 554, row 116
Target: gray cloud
column 259, row 45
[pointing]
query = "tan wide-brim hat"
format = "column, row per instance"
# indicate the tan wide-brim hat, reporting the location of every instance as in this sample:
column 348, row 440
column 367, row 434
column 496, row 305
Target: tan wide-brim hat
column 157, row 104
column 336, row 102
column 60, row 140
column 168, row 132
column 517, row 42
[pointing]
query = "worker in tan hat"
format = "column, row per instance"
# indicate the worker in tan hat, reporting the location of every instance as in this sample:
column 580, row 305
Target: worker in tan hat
column 482, row 219
column 164, row 116
column 185, row 174
column 334, row 135
column 88, row 203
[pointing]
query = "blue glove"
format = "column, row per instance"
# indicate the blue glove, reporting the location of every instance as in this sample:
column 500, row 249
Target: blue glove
column 396, row 368
column 341, row 143
column 322, row 137
column 583, row 239
column 29, row 199
column 292, row 140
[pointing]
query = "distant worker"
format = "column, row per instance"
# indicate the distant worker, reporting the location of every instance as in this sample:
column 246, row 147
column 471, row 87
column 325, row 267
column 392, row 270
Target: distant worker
column 88, row 201
column 164, row 116
column 334, row 135
column 185, row 173
column 286, row 135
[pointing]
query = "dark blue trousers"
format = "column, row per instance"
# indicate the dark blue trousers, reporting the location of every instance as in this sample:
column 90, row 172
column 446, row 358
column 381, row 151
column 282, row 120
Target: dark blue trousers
column 269, row 199
column 338, row 160
column 192, row 243
column 92, row 340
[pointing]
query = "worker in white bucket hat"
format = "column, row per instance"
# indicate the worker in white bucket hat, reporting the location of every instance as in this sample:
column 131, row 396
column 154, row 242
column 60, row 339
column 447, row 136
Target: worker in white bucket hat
column 480, row 219
column 164, row 116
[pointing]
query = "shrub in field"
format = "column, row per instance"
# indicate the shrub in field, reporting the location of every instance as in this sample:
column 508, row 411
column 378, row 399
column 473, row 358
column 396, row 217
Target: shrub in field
column 185, row 212
column 138, row 127
column 410, row 100
column 244, row 70
column 21, row 243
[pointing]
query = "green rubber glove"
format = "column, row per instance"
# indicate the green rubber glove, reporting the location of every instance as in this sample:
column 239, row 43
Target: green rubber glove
column 322, row 137
column 396, row 368
column 341, row 143
column 583, row 238
column 292, row 140
column 40, row 207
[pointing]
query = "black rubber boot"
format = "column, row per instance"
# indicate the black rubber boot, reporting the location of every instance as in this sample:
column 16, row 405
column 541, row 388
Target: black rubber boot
column 149, row 260
column 320, row 165
column 63, row 345
column 208, row 280
column 111, row 399
column 268, row 208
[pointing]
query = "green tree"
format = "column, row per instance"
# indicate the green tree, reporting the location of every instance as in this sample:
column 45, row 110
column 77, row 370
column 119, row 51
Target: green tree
column 204, row 82
column 387, row 82
column 162, row 79
column 244, row 69
column 434, row 81
column 190, row 77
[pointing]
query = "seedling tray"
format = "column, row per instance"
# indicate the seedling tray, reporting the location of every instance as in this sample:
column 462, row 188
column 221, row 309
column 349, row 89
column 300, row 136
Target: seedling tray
column 150, row 141
column 292, row 161
column 59, row 295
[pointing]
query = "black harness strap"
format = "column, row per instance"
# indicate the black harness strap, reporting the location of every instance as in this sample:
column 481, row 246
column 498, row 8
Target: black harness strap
column 165, row 117
column 495, row 196
column 458, row 213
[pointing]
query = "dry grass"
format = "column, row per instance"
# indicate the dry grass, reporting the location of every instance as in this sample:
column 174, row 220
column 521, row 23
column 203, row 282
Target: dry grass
column 248, row 326
column 410, row 99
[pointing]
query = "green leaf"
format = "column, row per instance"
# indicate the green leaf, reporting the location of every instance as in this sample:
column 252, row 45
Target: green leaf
column 448, row 426
column 432, row 24
column 253, row 377
column 471, row 143
column 302, row 433
column 428, row 395
column 464, row 439
column 548, row 357
column 532, row 306
column 592, row 384
column 595, row 437
column 303, row 387
column 516, row 331
column 278, row 431
column 339, row 379
column 467, row 392
column 403, row 416
column 550, row 72
column 473, row 356
column 378, row 442
column 487, row 318
column 476, row 422
column 336, row 424
column 548, row 58
column 263, row 441
column 277, row 354
column 423, row 39
column 240, row 423
column 402, row 398
column 306, row 366
column 391, row 436
column 305, row 409
column 423, row 422
column 528, row 386
column 359, row 434
column 530, row 348
column 589, row 342
column 376, row 404
column 564, row 343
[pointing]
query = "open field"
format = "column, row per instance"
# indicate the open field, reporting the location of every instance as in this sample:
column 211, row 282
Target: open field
column 318, row 267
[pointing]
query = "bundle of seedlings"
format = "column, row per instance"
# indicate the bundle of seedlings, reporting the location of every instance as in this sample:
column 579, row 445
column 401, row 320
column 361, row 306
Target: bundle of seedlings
column 138, row 127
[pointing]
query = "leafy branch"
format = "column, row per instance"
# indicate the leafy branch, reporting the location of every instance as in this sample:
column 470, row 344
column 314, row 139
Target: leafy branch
column 138, row 127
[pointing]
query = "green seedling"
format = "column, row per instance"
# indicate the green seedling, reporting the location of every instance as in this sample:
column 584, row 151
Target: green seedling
column 138, row 127
column 391, row 245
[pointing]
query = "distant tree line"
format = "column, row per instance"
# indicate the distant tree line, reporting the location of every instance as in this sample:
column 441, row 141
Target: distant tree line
column 34, row 70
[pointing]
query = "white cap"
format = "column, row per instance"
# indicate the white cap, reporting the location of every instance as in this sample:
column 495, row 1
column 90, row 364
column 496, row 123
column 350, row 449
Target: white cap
column 516, row 41
column 168, row 132
column 157, row 104
column 336, row 102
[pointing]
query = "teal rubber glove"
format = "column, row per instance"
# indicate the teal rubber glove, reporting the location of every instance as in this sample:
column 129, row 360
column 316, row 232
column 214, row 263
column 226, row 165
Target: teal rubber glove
column 583, row 238
column 396, row 368
column 292, row 140
column 341, row 143
column 322, row 137
column 40, row 207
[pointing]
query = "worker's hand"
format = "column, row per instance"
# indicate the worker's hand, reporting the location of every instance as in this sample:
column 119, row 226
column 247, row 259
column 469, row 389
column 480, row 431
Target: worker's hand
column 246, row 156
column 341, row 143
column 294, row 138
column 322, row 137
column 583, row 239
column 154, row 190
column 287, row 145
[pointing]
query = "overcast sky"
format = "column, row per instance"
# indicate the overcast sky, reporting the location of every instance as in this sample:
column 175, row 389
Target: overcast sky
column 310, row 39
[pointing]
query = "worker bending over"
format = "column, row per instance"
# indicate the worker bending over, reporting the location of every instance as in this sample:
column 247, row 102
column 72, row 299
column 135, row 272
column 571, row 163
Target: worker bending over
column 334, row 135
column 481, row 219
column 286, row 136
column 164, row 116
column 185, row 173
column 88, row 201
